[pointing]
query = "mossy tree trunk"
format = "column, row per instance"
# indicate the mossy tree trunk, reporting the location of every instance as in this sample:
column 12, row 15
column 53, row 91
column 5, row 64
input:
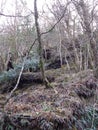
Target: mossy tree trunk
column 40, row 45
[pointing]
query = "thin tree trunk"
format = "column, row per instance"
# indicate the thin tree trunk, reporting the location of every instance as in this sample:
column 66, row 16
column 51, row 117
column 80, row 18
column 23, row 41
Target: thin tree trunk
column 46, row 83
column 60, row 47
column 84, row 14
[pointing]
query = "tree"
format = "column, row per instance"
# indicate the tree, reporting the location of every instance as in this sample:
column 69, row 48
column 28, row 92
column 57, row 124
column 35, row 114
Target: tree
column 86, row 21
column 45, row 81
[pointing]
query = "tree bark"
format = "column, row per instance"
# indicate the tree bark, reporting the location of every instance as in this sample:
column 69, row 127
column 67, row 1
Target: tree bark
column 45, row 81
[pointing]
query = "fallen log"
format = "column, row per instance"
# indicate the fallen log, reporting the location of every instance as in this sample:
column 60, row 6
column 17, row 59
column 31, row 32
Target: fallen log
column 25, row 80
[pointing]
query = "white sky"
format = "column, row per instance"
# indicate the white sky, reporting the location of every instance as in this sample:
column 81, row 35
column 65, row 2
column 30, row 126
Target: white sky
column 8, row 6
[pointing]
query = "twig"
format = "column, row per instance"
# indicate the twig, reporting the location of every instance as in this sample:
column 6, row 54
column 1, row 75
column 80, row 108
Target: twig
column 9, row 15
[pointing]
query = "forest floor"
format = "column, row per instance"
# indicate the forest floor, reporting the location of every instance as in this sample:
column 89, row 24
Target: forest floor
column 70, row 92
column 59, row 100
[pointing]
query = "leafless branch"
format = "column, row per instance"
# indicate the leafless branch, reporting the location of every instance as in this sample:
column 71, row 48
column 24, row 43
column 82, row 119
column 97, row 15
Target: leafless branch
column 9, row 15
column 50, row 28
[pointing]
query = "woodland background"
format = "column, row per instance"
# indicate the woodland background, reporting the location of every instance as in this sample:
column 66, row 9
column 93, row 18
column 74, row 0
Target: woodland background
column 49, row 65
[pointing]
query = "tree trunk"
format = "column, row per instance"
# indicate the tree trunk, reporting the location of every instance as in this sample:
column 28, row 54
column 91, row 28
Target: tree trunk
column 46, row 83
column 84, row 14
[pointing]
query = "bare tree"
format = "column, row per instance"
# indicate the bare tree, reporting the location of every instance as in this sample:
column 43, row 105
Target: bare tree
column 40, row 46
column 86, row 22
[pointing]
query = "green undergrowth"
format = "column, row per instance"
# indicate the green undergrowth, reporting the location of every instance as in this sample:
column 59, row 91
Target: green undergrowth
column 12, row 73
